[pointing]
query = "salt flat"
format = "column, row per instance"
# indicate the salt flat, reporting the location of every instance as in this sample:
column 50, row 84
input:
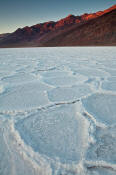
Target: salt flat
column 58, row 111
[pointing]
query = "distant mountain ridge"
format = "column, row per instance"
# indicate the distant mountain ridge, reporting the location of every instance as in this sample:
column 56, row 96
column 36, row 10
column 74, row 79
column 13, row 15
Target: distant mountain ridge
column 88, row 29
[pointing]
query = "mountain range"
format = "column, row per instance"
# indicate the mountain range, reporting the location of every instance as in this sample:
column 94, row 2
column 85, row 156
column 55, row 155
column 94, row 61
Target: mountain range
column 95, row 29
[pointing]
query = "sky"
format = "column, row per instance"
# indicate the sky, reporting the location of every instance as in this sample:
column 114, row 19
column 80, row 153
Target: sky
column 19, row 13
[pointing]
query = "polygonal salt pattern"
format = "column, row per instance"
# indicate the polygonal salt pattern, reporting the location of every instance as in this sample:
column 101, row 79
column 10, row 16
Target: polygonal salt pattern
column 24, row 97
column 102, row 106
column 66, row 81
column 65, row 94
column 57, row 132
column 104, row 149
column 43, row 94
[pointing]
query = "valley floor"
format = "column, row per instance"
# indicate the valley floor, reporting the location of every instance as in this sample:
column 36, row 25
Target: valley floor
column 58, row 111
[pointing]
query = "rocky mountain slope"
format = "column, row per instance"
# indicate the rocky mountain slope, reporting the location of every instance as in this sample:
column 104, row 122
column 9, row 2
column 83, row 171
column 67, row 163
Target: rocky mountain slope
column 88, row 29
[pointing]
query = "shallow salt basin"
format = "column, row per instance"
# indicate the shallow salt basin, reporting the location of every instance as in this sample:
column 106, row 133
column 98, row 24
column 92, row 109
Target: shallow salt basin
column 58, row 111
column 65, row 94
column 102, row 106
column 57, row 132
column 24, row 97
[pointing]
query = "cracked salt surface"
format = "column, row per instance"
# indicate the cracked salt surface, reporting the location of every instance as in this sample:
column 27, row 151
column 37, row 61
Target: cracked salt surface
column 57, row 132
column 102, row 106
column 57, row 111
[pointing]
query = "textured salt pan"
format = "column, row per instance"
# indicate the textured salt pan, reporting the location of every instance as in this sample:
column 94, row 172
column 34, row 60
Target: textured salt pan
column 23, row 97
column 64, row 81
column 65, row 94
column 102, row 107
column 58, row 111
column 105, row 146
column 18, row 78
column 58, row 133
